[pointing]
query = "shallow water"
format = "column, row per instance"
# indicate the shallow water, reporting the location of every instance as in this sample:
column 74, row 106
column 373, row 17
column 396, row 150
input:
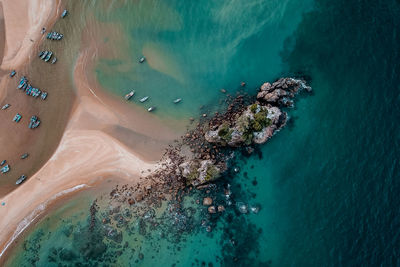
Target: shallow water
column 327, row 183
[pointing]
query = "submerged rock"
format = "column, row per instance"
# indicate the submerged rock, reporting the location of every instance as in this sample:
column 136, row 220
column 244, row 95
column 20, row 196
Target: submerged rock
column 207, row 201
column 212, row 209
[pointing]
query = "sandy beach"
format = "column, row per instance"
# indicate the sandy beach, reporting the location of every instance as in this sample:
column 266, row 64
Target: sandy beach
column 103, row 136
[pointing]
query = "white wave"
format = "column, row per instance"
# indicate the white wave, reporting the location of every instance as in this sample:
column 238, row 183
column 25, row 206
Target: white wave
column 36, row 213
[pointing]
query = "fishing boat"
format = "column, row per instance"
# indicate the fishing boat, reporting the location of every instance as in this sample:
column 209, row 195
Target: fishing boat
column 129, row 96
column 34, row 122
column 6, row 106
column 176, row 101
column 24, row 156
column 150, row 109
column 17, row 117
column 142, row 59
column 44, row 55
column 65, row 12
column 20, row 180
column 48, row 56
column 44, row 95
column 144, row 99
column 12, row 74
column 5, row 169
column 22, row 82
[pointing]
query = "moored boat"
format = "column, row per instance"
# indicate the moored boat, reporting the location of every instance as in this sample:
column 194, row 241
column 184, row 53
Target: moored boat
column 144, row 99
column 44, row 54
column 12, row 74
column 65, row 12
column 20, row 180
column 3, row 162
column 17, row 117
column 34, row 122
column 6, row 106
column 150, row 109
column 48, row 56
column 44, row 95
column 142, row 59
column 24, row 156
column 129, row 96
column 54, row 60
column 5, row 169
column 176, row 101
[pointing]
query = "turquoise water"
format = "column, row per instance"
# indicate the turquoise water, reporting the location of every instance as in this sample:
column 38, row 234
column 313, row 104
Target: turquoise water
column 193, row 50
column 327, row 183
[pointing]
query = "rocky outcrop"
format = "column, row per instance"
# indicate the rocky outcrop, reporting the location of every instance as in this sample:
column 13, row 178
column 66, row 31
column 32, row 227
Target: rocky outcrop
column 255, row 125
column 259, row 122
column 280, row 92
column 198, row 172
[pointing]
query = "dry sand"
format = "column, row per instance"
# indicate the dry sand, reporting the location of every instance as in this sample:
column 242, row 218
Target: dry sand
column 104, row 137
column 25, row 19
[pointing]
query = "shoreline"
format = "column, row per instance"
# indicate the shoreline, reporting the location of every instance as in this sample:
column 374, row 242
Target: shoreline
column 89, row 151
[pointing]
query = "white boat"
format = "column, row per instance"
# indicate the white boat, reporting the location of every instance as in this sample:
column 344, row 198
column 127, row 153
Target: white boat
column 142, row 59
column 176, row 101
column 144, row 99
column 128, row 96
column 151, row 109
column 6, row 106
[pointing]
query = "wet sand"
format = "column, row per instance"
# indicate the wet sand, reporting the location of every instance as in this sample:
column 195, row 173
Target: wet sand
column 19, row 54
column 104, row 137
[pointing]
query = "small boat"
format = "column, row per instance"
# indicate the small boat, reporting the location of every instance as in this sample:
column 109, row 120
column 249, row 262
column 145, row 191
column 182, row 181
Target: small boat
column 24, row 156
column 65, row 12
column 12, row 74
column 17, row 117
column 6, row 106
column 142, row 59
column 20, row 180
column 44, row 95
column 5, row 169
column 34, row 122
column 3, row 162
column 176, row 101
column 41, row 54
column 144, row 99
column 22, row 82
column 150, row 109
column 43, row 30
column 129, row 96
column 54, row 60
column 44, row 55
column 48, row 56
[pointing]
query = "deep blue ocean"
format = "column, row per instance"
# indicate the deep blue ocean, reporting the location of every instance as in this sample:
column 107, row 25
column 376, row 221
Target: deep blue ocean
column 328, row 184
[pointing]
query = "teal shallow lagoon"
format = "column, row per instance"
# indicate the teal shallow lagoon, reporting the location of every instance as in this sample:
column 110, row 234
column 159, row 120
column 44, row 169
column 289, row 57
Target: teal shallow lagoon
column 327, row 183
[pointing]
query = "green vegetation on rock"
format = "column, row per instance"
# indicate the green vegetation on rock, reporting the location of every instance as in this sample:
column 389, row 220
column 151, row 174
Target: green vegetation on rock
column 211, row 173
column 225, row 132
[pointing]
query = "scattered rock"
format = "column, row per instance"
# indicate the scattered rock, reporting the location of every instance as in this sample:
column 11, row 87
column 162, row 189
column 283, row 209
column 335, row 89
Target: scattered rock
column 212, row 209
column 207, row 201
